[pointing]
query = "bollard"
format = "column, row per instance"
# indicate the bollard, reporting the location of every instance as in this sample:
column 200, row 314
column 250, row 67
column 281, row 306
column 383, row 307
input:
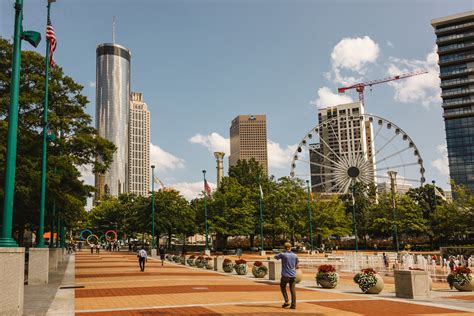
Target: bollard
column 274, row 270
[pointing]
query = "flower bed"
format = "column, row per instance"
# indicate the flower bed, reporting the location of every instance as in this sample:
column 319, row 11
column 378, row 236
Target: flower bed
column 461, row 279
column 177, row 259
column 259, row 270
column 200, row 262
column 327, row 276
column 369, row 281
column 227, row 265
column 190, row 260
column 240, row 267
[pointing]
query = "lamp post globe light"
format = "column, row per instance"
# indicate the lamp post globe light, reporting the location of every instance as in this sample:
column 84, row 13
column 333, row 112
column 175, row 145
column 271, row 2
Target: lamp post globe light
column 34, row 39
column 153, row 243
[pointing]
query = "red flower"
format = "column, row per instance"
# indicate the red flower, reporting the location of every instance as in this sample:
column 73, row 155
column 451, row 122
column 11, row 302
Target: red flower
column 240, row 261
column 325, row 268
column 368, row 271
column 463, row 270
column 258, row 263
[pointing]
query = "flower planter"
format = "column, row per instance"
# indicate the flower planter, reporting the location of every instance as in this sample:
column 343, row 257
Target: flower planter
column 228, row 267
column 327, row 280
column 241, row 269
column 378, row 287
column 259, row 271
column 468, row 287
column 190, row 262
column 209, row 266
column 369, row 281
column 299, row 276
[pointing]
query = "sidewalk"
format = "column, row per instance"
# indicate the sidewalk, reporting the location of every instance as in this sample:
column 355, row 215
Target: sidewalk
column 114, row 285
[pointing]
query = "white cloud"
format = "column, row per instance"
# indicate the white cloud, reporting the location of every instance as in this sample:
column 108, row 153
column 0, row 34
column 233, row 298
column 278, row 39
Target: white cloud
column 441, row 164
column 163, row 160
column 352, row 54
column 390, row 44
column 92, row 84
column 279, row 157
column 327, row 98
column 191, row 190
column 213, row 142
column 422, row 89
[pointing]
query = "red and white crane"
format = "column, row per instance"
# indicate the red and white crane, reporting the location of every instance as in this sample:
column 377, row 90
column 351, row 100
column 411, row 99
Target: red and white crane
column 360, row 87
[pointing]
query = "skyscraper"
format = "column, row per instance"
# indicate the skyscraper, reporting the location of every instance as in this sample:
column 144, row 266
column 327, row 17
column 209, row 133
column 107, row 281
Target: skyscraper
column 112, row 113
column 342, row 136
column 455, row 39
column 248, row 139
column 139, row 146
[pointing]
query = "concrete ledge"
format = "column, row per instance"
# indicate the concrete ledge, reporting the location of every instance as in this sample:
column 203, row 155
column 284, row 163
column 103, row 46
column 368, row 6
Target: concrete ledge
column 38, row 266
column 12, row 277
column 274, row 270
column 53, row 259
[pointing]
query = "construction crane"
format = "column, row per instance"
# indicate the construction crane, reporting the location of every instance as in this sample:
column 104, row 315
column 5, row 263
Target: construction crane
column 360, row 87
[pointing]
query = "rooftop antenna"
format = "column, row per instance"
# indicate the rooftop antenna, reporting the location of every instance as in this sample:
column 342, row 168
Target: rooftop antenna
column 113, row 30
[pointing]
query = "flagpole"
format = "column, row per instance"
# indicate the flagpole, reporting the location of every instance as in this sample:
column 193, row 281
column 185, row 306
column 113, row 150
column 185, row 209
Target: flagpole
column 45, row 141
column 205, row 212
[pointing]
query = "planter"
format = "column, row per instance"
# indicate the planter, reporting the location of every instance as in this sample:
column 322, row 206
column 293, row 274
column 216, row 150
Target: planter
column 200, row 263
column 259, row 272
column 378, row 287
column 327, row 280
column 299, row 276
column 177, row 259
column 241, row 269
column 228, row 267
column 190, row 262
column 209, row 266
column 468, row 287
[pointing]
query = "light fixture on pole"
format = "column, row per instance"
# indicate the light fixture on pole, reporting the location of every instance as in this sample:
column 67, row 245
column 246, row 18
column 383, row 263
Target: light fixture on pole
column 33, row 38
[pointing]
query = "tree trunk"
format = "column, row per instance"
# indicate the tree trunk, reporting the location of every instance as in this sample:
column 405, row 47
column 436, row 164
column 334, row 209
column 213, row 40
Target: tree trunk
column 221, row 242
column 252, row 240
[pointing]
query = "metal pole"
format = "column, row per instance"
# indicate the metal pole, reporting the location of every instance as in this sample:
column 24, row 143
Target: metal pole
column 58, row 245
column 6, row 239
column 45, row 143
column 153, row 243
column 393, row 176
column 261, row 216
column 205, row 212
column 354, row 219
column 310, row 217
column 51, row 239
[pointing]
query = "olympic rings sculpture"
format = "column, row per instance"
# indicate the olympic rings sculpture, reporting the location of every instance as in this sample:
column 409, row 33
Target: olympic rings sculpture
column 110, row 236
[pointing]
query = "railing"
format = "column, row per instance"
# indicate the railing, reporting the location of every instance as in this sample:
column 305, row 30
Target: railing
column 462, row 91
column 454, row 27
column 457, row 102
column 455, row 36
column 452, row 82
column 458, row 58
column 454, row 46
column 458, row 71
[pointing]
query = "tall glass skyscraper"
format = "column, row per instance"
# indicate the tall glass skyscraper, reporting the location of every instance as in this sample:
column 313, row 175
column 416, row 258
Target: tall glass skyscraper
column 455, row 39
column 112, row 114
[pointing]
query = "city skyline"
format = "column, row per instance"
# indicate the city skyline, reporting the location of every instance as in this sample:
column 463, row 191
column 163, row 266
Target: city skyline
column 193, row 67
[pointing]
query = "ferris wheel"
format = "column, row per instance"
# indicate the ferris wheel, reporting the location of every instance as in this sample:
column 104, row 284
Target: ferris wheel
column 344, row 150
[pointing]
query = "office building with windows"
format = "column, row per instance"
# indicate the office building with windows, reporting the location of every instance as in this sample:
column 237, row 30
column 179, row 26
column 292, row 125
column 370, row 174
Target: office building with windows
column 139, row 146
column 248, row 139
column 112, row 114
column 455, row 40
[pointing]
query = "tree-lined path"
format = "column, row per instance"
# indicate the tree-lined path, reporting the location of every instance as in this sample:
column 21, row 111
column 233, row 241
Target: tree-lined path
column 113, row 285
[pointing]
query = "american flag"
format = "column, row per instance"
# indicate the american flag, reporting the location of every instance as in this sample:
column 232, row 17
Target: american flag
column 207, row 188
column 51, row 38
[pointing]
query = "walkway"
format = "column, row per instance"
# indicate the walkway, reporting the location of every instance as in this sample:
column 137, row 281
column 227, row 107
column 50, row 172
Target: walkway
column 114, row 285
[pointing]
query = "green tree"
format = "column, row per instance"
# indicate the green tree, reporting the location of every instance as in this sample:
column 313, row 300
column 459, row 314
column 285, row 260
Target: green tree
column 79, row 144
column 330, row 218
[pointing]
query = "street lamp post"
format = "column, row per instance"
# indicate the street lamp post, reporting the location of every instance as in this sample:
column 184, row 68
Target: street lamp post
column 153, row 243
column 393, row 187
column 354, row 218
column 310, row 217
column 33, row 38
column 205, row 213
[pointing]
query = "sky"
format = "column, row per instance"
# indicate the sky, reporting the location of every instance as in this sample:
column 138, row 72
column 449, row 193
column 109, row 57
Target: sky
column 200, row 63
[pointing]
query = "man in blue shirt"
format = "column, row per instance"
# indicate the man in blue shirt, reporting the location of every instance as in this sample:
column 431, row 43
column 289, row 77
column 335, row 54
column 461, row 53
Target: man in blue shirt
column 289, row 264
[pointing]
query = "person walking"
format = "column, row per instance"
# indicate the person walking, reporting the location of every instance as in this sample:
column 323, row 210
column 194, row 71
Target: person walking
column 142, row 257
column 97, row 248
column 162, row 254
column 92, row 248
column 289, row 264
column 386, row 261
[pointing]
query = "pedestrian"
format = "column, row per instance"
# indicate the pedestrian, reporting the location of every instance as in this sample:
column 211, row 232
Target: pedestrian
column 142, row 257
column 386, row 261
column 289, row 264
column 162, row 254
column 452, row 265
column 92, row 248
column 97, row 248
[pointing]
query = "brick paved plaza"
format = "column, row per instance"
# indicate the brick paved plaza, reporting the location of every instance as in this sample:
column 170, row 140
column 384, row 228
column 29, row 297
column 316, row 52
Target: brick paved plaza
column 114, row 285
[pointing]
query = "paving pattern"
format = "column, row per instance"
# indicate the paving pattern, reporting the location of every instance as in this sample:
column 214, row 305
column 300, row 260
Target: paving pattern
column 114, row 285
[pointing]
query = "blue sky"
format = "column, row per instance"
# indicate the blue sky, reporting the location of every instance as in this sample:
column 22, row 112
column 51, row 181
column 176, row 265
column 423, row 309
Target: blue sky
column 201, row 63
